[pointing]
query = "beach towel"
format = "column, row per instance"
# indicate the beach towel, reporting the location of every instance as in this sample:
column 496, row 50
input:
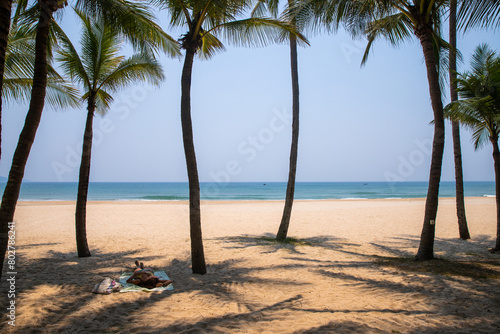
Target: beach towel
column 129, row 287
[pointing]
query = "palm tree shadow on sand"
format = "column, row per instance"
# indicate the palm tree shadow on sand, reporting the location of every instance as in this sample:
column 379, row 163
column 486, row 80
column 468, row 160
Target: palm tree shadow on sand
column 63, row 274
column 42, row 281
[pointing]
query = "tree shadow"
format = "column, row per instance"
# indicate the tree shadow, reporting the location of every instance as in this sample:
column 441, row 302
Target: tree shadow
column 65, row 274
column 479, row 269
column 348, row 327
column 268, row 243
column 345, row 327
column 233, row 322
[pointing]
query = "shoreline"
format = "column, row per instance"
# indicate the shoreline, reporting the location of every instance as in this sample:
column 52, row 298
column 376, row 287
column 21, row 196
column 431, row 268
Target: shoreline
column 205, row 201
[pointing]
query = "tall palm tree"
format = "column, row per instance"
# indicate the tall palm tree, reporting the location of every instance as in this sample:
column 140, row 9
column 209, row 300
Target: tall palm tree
column 475, row 13
column 398, row 21
column 100, row 70
column 206, row 21
column 272, row 6
column 479, row 109
column 27, row 137
column 133, row 19
column 463, row 229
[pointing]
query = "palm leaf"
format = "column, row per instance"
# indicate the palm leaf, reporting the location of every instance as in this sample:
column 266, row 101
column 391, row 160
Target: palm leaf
column 139, row 67
column 396, row 28
column 256, row 32
column 99, row 67
column 135, row 21
column 19, row 66
column 211, row 45
column 479, row 13
column 70, row 61
column 59, row 93
column 103, row 101
column 479, row 109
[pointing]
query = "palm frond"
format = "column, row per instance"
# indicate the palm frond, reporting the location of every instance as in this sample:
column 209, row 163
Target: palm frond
column 479, row 90
column 263, row 7
column 480, row 137
column 62, row 94
column 178, row 11
column 103, row 102
column 135, row 20
column 211, row 46
column 313, row 16
column 18, row 73
column 17, row 89
column 59, row 93
column 260, row 9
column 99, row 67
column 70, row 60
column 482, row 55
column 479, row 13
column 396, row 28
column 20, row 53
column 139, row 67
column 257, row 32
column 21, row 6
column 466, row 113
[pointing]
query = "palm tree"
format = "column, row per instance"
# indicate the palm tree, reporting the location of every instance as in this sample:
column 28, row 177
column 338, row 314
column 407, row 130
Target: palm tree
column 259, row 10
column 398, row 21
column 479, row 109
column 100, row 70
column 27, row 137
column 482, row 13
column 133, row 19
column 463, row 230
column 206, row 21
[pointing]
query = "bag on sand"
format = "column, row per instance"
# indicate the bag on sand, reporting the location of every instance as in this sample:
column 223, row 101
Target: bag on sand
column 107, row 286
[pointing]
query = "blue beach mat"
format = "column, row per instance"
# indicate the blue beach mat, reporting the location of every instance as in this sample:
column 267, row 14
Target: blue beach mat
column 129, row 287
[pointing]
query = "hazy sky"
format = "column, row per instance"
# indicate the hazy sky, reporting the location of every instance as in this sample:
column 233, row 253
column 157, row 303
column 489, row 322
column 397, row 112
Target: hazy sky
column 357, row 124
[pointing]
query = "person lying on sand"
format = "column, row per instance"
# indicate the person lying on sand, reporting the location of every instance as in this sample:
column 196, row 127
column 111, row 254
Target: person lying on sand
column 145, row 277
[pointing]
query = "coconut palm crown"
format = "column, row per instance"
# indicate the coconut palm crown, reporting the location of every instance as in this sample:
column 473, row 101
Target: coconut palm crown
column 100, row 70
column 210, row 21
column 479, row 90
column 479, row 109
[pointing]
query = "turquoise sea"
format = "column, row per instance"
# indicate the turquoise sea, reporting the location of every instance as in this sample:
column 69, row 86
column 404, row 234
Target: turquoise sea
column 117, row 191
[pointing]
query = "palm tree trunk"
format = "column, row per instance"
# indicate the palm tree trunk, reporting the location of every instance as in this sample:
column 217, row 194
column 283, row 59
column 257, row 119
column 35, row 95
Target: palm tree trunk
column 463, row 230
column 426, row 248
column 5, row 12
column 197, row 254
column 496, row 158
column 27, row 136
column 290, row 189
column 83, row 184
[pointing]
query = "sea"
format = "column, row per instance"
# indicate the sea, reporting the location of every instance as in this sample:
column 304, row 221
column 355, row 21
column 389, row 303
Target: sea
column 179, row 191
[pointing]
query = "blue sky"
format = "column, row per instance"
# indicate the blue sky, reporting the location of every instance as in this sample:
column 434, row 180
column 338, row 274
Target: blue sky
column 357, row 124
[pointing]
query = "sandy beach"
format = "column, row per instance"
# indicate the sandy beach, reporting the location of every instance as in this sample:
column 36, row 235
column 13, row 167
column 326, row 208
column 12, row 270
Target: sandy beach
column 349, row 271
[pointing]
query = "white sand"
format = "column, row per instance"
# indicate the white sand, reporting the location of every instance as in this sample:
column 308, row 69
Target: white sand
column 330, row 284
